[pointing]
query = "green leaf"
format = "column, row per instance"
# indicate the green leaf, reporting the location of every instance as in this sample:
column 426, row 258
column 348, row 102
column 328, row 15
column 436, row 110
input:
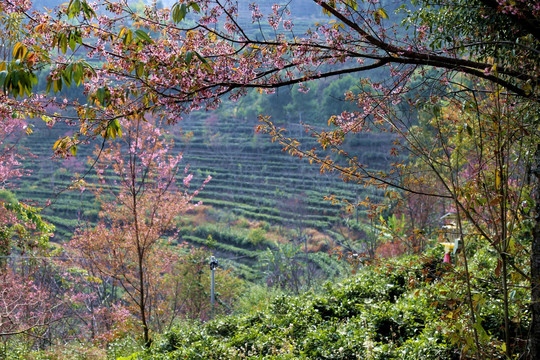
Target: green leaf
column 72, row 42
column 179, row 12
column 103, row 95
column 113, row 130
column 67, row 78
column 203, row 60
column 382, row 13
column 62, row 42
column 19, row 51
column 143, row 36
column 128, row 36
column 77, row 73
column 49, row 83
column 194, row 6
column 3, row 76
column 130, row 357
column 57, row 85
column 67, row 75
column 189, row 56
column 87, row 10
column 140, row 69
column 469, row 130
column 74, row 8
column 481, row 332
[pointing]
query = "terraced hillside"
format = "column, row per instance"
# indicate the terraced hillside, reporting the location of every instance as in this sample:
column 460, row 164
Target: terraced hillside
column 258, row 197
column 250, row 175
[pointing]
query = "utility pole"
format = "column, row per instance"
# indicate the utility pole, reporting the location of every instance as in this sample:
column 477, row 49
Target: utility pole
column 213, row 267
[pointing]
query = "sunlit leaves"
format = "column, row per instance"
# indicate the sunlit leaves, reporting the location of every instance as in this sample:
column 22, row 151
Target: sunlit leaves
column 75, row 7
column 19, row 51
column 101, row 97
column 30, row 221
column 139, row 70
column 126, row 35
column 113, row 130
column 140, row 34
column 76, row 72
column 72, row 74
column 179, row 11
column 352, row 3
column 337, row 25
column 62, row 143
column 382, row 13
column 17, row 77
column 17, row 80
column 379, row 14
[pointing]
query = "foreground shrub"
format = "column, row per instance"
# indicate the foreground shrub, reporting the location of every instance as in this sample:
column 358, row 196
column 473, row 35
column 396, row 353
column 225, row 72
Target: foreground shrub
column 377, row 314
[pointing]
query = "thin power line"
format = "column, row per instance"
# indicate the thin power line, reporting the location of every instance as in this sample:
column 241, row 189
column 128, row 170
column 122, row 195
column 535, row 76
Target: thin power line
column 82, row 258
column 40, row 257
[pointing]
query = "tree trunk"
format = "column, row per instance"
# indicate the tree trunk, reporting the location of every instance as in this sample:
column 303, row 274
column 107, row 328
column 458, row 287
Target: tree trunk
column 535, row 265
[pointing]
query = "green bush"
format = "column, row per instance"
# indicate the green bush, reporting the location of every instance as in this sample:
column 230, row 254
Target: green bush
column 373, row 315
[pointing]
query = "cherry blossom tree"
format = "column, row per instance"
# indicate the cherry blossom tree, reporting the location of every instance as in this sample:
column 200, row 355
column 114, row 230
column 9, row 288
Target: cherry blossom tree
column 138, row 210
column 27, row 305
column 209, row 51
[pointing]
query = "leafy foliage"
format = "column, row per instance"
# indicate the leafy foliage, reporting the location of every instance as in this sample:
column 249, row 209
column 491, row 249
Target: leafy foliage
column 396, row 309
